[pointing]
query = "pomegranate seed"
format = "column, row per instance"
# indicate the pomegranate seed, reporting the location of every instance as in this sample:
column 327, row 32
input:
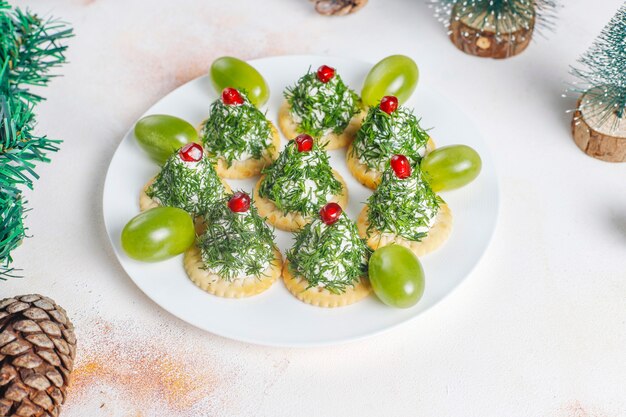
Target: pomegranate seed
column 325, row 73
column 330, row 213
column 231, row 97
column 389, row 104
column 191, row 152
column 304, row 142
column 239, row 202
column 401, row 166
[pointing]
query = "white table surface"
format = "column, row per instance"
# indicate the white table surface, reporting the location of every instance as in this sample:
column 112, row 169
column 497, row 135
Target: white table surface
column 539, row 328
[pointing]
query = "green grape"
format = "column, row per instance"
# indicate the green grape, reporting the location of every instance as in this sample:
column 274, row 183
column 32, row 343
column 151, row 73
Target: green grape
column 396, row 276
column 232, row 72
column 157, row 234
column 161, row 135
column 395, row 75
column 451, row 167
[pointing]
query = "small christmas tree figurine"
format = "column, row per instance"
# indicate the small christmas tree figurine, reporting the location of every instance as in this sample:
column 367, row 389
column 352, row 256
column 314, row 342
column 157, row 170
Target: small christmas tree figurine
column 599, row 122
column 494, row 28
column 29, row 48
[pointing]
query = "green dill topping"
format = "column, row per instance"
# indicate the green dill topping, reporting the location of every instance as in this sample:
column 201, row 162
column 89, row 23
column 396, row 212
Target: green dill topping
column 191, row 186
column 236, row 245
column 405, row 207
column 300, row 181
column 320, row 108
column 383, row 135
column 236, row 133
column 333, row 257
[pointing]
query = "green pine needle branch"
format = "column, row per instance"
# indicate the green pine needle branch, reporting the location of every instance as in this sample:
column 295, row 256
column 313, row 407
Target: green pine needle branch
column 503, row 17
column 602, row 72
column 29, row 48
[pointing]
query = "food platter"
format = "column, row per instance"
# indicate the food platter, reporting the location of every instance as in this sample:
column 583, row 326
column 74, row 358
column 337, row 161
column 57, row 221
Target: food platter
column 275, row 317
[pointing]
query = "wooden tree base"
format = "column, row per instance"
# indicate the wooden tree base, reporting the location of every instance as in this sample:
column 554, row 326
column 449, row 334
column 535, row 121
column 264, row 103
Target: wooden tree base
column 486, row 44
column 595, row 143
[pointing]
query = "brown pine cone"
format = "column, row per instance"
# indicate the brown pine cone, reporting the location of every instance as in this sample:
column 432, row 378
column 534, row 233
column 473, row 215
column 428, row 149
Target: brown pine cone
column 338, row 7
column 37, row 351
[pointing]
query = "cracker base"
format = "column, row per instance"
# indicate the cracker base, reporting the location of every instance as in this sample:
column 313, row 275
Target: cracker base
column 238, row 288
column 321, row 297
column 437, row 236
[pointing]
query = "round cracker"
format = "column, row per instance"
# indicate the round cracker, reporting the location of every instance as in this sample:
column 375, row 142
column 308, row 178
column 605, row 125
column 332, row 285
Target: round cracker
column 292, row 221
column 437, row 235
column 321, row 297
column 238, row 287
column 334, row 141
column 367, row 176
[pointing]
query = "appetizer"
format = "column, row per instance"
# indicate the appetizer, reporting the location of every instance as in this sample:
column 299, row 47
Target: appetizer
column 327, row 266
column 236, row 255
column 321, row 105
column 405, row 210
column 386, row 130
column 187, row 181
column 239, row 136
column 293, row 188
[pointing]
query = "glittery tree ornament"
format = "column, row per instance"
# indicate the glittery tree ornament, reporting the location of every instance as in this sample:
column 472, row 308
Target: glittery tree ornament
column 494, row 28
column 599, row 121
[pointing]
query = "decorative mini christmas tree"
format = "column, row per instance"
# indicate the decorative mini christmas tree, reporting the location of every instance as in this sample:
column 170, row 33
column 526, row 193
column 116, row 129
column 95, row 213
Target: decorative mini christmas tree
column 29, row 48
column 599, row 122
column 494, row 28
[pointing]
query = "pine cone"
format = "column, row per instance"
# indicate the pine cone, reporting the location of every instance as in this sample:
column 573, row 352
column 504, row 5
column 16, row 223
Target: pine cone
column 338, row 7
column 37, row 350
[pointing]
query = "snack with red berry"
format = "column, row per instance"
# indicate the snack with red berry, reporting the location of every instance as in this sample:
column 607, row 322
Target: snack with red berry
column 322, row 105
column 327, row 265
column 187, row 181
column 239, row 136
column 404, row 210
column 388, row 129
column 236, row 255
column 292, row 189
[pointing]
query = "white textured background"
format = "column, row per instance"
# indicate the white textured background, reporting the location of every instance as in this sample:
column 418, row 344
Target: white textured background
column 538, row 330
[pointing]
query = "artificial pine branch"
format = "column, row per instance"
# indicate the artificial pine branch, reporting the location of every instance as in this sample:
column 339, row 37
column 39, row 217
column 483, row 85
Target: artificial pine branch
column 503, row 17
column 602, row 72
column 29, row 48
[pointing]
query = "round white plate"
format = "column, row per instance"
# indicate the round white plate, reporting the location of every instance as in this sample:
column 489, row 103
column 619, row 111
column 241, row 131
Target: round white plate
column 275, row 317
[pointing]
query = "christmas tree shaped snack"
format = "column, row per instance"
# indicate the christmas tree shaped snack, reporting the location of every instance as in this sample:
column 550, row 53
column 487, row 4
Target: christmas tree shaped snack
column 321, row 105
column 235, row 256
column 292, row 189
column 599, row 123
column 239, row 136
column 327, row 266
column 387, row 130
column 187, row 181
column 404, row 210
column 494, row 28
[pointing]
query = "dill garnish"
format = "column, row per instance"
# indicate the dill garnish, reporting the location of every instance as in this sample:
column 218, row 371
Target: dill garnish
column 193, row 187
column 333, row 257
column 320, row 107
column 236, row 132
column 383, row 135
column 236, row 244
column 300, row 181
column 404, row 207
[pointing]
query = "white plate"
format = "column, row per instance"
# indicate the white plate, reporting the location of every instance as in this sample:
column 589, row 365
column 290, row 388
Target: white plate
column 275, row 317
